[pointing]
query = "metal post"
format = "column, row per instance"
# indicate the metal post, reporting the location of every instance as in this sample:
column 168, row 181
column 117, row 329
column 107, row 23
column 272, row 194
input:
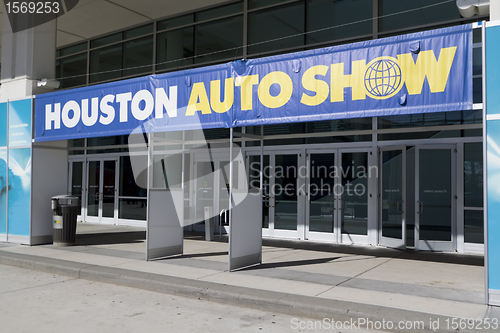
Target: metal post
column 485, row 168
column 230, row 191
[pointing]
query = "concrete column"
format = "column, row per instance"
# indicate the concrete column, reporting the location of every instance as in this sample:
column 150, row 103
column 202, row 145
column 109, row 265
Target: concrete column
column 27, row 57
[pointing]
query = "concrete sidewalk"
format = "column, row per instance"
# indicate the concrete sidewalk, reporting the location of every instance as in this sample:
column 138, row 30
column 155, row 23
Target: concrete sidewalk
column 304, row 279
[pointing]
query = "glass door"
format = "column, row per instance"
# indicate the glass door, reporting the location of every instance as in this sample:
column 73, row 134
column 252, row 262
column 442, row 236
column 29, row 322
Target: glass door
column 434, row 197
column 76, row 189
column 322, row 207
column 352, row 195
column 392, row 212
column 286, row 195
column 101, row 191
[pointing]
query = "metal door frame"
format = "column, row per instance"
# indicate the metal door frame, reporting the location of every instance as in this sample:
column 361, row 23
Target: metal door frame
column 387, row 241
column 99, row 218
column 81, row 216
column 448, row 246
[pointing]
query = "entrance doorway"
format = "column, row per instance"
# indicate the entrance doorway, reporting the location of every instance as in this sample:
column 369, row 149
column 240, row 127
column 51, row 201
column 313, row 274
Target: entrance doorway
column 417, row 205
column 337, row 198
column 101, row 196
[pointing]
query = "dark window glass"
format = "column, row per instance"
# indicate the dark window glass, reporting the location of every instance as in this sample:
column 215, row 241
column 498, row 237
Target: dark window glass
column 477, row 63
column 477, row 90
column 128, row 185
column 276, row 23
column 323, row 14
column 73, row 49
column 58, row 53
column 107, row 61
column 174, row 48
column 107, row 141
column 477, row 35
column 339, row 125
column 139, row 31
column 220, row 11
column 132, row 209
column 217, row 36
column 138, row 55
column 73, row 70
column 474, row 226
column 431, row 119
column 175, row 22
column 261, row 3
column 106, row 40
column 473, row 174
column 411, row 18
column 76, row 143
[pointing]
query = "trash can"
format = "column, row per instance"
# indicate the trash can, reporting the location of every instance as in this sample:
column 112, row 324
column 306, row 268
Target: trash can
column 64, row 213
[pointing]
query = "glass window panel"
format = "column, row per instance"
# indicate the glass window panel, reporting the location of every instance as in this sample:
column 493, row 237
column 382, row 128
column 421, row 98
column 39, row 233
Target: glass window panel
column 138, row 56
column 107, row 61
column 220, row 11
column 430, row 119
column 204, row 188
column 474, row 226
column 73, row 70
column 326, row 13
column 392, row 194
column 254, row 182
column 77, row 182
column 76, row 143
column 339, row 125
column 477, row 35
column 218, row 36
column 321, row 205
column 477, row 90
column 435, row 194
column 139, row 31
column 93, row 188
column 473, row 174
column 175, row 48
column 176, row 22
column 354, row 210
column 261, row 3
column 285, row 192
column 167, row 171
column 106, row 40
column 107, row 141
column 108, row 190
column 132, row 209
column 73, row 49
column 477, row 64
column 127, row 181
column 411, row 18
column 274, row 23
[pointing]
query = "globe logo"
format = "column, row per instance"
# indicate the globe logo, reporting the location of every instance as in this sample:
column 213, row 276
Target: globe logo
column 383, row 78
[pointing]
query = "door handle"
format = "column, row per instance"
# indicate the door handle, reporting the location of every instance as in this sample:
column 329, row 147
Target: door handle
column 332, row 204
column 420, row 207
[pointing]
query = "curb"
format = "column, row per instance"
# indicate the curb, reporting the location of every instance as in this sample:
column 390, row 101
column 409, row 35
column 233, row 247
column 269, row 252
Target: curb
column 303, row 307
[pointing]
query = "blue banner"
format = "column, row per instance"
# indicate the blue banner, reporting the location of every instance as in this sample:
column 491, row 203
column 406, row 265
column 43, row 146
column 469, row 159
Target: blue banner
column 422, row 72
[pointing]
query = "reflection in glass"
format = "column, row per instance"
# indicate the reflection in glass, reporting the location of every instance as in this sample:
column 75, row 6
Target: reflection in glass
column 323, row 14
column 322, row 193
column 435, row 194
column 107, row 61
column 285, row 192
column 77, row 182
column 474, row 226
column 175, row 48
column 214, row 37
column 138, row 56
column 254, row 182
column 132, row 209
column 93, row 188
column 108, row 191
column 473, row 174
column 204, row 188
column 276, row 23
column 392, row 194
column 354, row 211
